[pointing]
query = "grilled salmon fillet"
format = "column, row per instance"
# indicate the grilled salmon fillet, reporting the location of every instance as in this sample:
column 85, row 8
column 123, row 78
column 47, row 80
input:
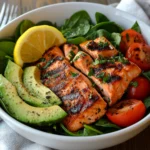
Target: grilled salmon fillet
column 70, row 50
column 112, row 78
column 81, row 101
column 99, row 47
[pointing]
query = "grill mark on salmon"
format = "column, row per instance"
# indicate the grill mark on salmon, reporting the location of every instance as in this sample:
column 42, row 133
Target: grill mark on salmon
column 71, row 96
column 92, row 45
column 58, row 87
column 98, row 48
column 75, row 92
column 52, row 72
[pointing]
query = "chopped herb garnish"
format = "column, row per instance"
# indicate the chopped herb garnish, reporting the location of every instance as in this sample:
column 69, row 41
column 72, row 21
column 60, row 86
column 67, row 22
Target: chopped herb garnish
column 42, row 60
column 56, row 75
column 112, row 61
column 127, row 37
column 83, row 54
column 76, row 58
column 90, row 96
column 134, row 83
column 71, row 55
column 123, row 60
column 96, row 62
column 39, row 66
column 91, row 72
column 103, row 44
column 102, row 61
column 101, row 75
column 74, row 74
column 93, row 84
column 107, row 78
column 48, row 64
column 147, row 75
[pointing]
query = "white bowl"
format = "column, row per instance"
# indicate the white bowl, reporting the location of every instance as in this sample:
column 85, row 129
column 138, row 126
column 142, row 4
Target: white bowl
column 58, row 13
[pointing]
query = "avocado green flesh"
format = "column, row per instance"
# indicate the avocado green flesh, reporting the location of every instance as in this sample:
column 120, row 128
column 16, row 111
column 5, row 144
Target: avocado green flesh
column 32, row 82
column 13, row 73
column 23, row 112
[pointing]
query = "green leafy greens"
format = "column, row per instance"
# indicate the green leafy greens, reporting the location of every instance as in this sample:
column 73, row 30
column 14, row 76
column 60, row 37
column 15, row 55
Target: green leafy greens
column 136, row 27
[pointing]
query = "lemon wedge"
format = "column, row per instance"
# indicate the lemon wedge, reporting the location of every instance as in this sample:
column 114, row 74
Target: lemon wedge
column 34, row 42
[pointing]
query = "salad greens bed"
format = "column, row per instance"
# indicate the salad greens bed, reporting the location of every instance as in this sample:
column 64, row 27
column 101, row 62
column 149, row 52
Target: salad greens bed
column 76, row 29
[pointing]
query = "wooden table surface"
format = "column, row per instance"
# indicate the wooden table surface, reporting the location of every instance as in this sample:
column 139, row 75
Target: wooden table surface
column 141, row 141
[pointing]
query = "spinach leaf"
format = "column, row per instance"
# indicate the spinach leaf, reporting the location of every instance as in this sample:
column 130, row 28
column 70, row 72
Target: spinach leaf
column 108, row 26
column 10, row 39
column 3, row 61
column 89, row 131
column 67, row 132
column 147, row 102
column 76, row 40
column 100, row 17
column 80, row 29
column 7, row 47
column 104, row 33
column 45, row 22
column 77, row 25
column 76, row 18
column 17, row 31
column 25, row 25
column 63, row 27
column 134, row 83
column 98, row 33
column 103, row 122
column 91, row 35
column 22, row 27
column 136, row 27
column 147, row 75
column 105, row 29
column 115, row 39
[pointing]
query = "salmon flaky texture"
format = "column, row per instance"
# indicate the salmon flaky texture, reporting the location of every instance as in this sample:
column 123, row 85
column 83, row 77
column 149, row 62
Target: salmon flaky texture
column 81, row 101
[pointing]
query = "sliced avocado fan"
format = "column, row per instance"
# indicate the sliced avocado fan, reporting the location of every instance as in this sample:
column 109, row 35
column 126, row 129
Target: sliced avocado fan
column 14, row 73
column 32, row 82
column 23, row 112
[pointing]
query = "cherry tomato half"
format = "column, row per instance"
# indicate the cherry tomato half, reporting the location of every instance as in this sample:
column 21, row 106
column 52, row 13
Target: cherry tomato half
column 140, row 55
column 139, row 88
column 129, row 37
column 126, row 112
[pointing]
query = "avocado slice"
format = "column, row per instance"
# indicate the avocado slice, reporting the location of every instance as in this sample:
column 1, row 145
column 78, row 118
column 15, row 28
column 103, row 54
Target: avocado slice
column 23, row 112
column 14, row 73
column 32, row 82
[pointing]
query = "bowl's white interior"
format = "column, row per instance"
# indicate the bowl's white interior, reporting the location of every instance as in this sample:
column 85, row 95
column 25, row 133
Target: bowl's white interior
column 58, row 13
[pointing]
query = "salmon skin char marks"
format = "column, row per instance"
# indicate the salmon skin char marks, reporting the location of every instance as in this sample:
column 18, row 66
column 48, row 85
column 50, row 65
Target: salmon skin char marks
column 112, row 78
column 81, row 101
column 99, row 47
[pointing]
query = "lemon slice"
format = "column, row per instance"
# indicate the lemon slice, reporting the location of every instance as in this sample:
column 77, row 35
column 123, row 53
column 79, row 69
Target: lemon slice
column 34, row 42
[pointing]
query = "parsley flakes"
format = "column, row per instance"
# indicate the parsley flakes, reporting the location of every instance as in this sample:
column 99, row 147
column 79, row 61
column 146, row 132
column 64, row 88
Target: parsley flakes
column 134, row 83
column 74, row 74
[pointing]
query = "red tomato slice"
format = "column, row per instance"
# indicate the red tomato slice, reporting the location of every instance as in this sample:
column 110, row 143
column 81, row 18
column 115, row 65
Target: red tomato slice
column 140, row 55
column 126, row 112
column 129, row 37
column 139, row 89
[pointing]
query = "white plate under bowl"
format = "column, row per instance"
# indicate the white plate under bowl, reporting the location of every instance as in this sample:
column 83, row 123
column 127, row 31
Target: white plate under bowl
column 58, row 13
